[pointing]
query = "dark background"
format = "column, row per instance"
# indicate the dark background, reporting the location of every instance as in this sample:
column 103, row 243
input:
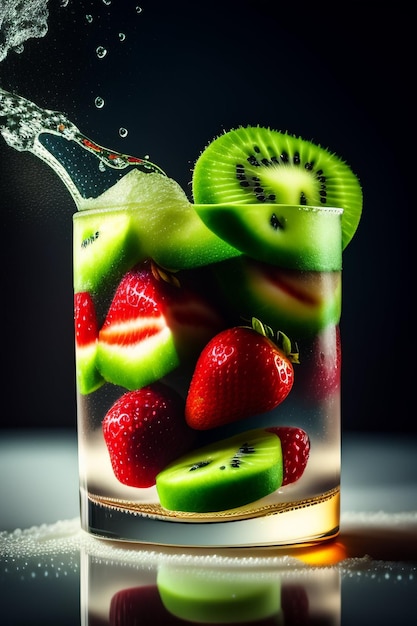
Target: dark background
column 336, row 74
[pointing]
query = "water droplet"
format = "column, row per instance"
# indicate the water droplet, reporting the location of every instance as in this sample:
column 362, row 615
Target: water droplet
column 89, row 18
column 99, row 102
column 101, row 52
column 122, row 36
column 101, row 167
column 64, row 3
column 123, row 132
column 107, row 2
column 138, row 9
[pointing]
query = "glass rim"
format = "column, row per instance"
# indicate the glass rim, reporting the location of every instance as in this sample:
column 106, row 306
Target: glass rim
column 309, row 208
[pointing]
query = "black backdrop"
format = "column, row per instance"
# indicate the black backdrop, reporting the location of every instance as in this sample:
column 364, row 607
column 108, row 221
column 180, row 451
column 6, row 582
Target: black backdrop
column 338, row 75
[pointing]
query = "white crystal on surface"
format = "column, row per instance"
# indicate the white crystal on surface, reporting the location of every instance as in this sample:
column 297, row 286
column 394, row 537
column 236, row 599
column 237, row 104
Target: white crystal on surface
column 66, row 537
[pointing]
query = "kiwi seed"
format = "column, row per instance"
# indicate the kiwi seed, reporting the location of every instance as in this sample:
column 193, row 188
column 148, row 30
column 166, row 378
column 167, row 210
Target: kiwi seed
column 251, row 165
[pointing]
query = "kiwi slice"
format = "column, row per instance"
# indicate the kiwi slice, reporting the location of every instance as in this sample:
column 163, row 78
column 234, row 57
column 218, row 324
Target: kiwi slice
column 293, row 236
column 223, row 475
column 218, row 596
column 300, row 303
column 105, row 246
column 256, row 165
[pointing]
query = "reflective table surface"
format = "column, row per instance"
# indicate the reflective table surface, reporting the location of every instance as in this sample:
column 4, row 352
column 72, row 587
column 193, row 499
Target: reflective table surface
column 51, row 572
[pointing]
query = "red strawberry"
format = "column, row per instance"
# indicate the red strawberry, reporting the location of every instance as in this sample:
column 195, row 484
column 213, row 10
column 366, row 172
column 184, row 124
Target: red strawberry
column 295, row 445
column 86, row 326
column 86, row 336
column 319, row 373
column 239, row 373
column 151, row 325
column 144, row 431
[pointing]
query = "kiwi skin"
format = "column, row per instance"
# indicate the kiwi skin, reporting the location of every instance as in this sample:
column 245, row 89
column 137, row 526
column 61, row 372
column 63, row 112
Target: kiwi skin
column 256, row 164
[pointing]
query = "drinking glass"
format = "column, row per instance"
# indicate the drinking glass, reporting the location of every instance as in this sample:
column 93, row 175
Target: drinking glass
column 158, row 334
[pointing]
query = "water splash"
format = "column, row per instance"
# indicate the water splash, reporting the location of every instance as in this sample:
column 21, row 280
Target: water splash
column 99, row 102
column 20, row 21
column 101, row 52
column 85, row 167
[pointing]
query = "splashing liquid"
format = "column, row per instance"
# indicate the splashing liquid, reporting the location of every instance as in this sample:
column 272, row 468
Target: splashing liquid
column 86, row 168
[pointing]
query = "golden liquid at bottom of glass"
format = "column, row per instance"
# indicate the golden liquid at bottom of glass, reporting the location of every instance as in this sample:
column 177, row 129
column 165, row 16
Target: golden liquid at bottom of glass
column 303, row 521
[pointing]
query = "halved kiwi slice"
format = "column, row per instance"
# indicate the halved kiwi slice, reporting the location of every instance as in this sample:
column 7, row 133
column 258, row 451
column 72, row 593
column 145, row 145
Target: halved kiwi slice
column 223, row 475
column 256, row 165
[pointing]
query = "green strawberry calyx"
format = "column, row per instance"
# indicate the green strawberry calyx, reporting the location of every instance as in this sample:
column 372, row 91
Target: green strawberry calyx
column 282, row 341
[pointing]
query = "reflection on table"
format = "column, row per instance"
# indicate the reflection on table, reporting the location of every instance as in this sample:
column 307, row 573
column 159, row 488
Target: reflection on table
column 68, row 577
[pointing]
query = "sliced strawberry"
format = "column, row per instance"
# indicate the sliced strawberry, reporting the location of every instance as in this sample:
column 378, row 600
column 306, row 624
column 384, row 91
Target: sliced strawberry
column 86, row 336
column 239, row 373
column 144, row 431
column 295, row 445
column 152, row 324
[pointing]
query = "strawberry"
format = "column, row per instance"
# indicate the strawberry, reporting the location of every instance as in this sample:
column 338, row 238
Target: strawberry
column 86, row 336
column 86, row 326
column 295, row 445
column 319, row 372
column 239, row 373
column 145, row 430
column 153, row 324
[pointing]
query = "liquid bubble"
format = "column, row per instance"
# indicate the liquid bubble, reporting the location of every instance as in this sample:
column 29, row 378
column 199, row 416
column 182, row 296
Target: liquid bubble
column 138, row 9
column 99, row 102
column 101, row 52
column 89, row 18
column 122, row 36
column 123, row 132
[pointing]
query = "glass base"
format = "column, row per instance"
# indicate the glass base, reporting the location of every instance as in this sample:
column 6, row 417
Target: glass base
column 305, row 522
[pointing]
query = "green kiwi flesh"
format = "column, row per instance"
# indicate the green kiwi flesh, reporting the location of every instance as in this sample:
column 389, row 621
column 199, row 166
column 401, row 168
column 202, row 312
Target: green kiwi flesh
column 105, row 246
column 294, row 236
column 148, row 215
column 300, row 303
column 218, row 596
column 88, row 377
column 223, row 475
column 256, row 165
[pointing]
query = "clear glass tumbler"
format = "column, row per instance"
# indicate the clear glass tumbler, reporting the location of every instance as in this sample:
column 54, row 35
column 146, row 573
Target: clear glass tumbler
column 208, row 391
